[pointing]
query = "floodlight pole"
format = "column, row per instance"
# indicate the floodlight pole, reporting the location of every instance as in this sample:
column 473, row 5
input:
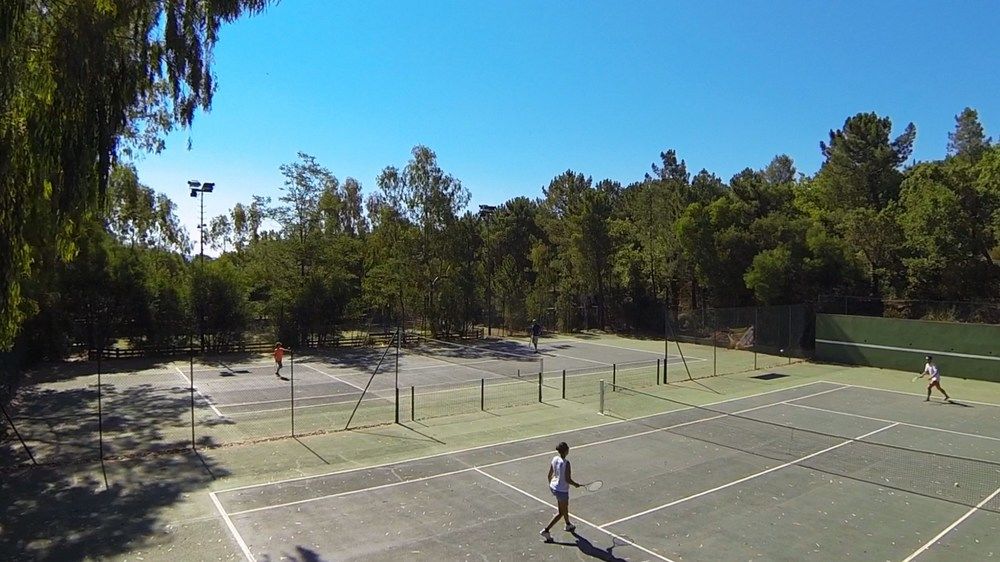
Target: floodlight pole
column 197, row 188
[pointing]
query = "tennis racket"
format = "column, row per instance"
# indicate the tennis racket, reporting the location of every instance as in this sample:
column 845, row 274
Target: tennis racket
column 918, row 377
column 594, row 486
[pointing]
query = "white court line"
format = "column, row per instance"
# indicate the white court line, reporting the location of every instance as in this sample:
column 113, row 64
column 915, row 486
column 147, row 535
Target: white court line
column 470, row 366
column 308, row 366
column 517, row 459
column 198, row 390
column 658, row 354
column 745, row 478
column 519, row 440
column 353, row 492
column 285, row 399
column 577, row 517
column 899, row 422
column 951, row 527
column 909, row 350
column 232, row 528
column 908, row 393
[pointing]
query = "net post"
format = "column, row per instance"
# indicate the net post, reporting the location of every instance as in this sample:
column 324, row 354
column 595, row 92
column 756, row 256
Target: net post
column 397, row 404
column 614, row 376
column 657, row 370
column 600, row 402
column 519, row 373
column 291, row 392
column 413, row 405
column 482, row 395
column 564, row 384
column 539, row 387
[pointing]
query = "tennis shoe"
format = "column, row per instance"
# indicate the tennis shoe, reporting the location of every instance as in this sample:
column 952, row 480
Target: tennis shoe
column 546, row 536
column 570, row 528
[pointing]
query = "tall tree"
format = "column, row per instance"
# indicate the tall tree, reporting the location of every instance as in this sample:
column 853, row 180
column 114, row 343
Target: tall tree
column 862, row 164
column 968, row 139
column 79, row 78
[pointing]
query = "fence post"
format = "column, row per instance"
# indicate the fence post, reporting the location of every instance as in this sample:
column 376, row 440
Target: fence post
column 482, row 395
column 191, row 376
column 715, row 346
column 413, row 405
column 539, row 387
column 100, row 415
column 614, row 376
column 564, row 384
column 756, row 335
column 657, row 370
column 397, row 404
column 600, row 401
column 292, row 392
column 788, row 350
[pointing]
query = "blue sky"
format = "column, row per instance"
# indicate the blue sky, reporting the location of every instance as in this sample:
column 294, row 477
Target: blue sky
column 509, row 94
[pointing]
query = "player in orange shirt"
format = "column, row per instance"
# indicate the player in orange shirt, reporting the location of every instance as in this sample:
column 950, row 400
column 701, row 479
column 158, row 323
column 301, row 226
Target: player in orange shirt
column 279, row 354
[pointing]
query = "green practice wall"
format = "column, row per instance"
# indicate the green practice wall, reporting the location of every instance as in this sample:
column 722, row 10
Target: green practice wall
column 969, row 351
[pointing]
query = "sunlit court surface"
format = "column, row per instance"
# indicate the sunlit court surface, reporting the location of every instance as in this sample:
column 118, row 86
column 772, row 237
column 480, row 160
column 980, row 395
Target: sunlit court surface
column 821, row 470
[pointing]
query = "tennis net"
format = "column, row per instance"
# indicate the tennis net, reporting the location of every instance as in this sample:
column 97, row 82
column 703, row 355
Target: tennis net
column 480, row 358
column 961, row 480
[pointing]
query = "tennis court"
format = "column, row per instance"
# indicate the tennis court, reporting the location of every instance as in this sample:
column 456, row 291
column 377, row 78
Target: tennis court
column 335, row 379
column 816, row 471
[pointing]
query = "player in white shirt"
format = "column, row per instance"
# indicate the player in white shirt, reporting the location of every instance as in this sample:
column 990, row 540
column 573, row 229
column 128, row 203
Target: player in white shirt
column 560, row 479
column 931, row 370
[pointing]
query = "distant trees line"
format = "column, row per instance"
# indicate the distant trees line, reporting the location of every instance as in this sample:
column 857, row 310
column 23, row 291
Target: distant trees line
column 585, row 255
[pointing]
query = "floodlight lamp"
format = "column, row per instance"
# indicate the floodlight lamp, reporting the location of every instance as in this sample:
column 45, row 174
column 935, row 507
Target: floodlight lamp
column 207, row 187
column 194, row 183
column 194, row 193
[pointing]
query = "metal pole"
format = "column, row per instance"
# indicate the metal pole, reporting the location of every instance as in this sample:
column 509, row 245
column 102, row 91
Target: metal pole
column 657, row 371
column 291, row 355
column 600, row 402
column 715, row 348
column 482, row 395
column 756, row 335
column 564, row 384
column 788, row 350
column 100, row 417
column 413, row 406
column 201, row 227
column 398, row 329
column 614, row 376
column 201, row 257
column 539, row 387
column 191, row 376
column 18, row 434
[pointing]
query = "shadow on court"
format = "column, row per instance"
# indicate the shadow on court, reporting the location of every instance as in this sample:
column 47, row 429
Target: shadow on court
column 55, row 513
column 589, row 549
column 302, row 554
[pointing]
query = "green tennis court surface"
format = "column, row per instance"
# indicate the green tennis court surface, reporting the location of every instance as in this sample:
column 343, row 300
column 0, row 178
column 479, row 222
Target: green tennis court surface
column 822, row 470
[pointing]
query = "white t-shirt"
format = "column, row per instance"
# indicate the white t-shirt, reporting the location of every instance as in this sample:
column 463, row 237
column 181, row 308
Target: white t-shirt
column 932, row 370
column 559, row 466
